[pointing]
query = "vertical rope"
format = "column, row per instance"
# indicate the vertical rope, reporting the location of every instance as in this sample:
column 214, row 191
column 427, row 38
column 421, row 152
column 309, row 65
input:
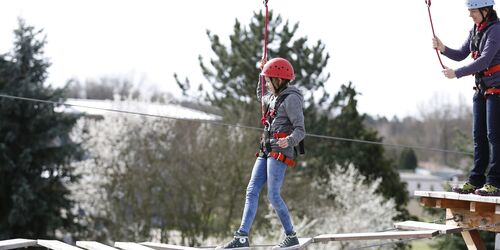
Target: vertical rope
column 264, row 57
column 428, row 3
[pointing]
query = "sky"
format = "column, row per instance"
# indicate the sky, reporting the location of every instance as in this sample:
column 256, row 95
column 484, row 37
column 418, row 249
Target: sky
column 382, row 47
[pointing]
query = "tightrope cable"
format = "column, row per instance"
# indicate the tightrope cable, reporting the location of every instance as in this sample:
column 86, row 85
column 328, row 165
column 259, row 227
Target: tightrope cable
column 231, row 125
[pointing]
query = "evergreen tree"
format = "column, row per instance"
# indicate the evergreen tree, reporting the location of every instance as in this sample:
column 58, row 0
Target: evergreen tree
column 408, row 159
column 35, row 149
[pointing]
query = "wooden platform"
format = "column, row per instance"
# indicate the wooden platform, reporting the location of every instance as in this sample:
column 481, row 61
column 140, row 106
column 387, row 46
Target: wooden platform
column 16, row 243
column 304, row 242
column 417, row 225
column 472, row 213
column 161, row 246
column 460, row 197
column 468, row 211
column 131, row 246
column 376, row 236
column 92, row 245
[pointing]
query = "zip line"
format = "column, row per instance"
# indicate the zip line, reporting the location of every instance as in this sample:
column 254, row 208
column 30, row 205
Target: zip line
column 335, row 138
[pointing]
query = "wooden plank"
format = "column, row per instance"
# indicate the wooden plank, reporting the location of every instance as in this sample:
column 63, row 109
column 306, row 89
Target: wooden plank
column 472, row 240
column 479, row 207
column 131, row 246
column 56, row 245
column 376, row 236
column 304, row 242
column 162, row 246
column 16, row 243
column 456, row 196
column 417, row 225
column 428, row 202
column 447, row 203
column 92, row 245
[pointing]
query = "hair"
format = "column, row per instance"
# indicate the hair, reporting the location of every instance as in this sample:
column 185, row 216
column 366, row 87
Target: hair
column 492, row 14
column 285, row 81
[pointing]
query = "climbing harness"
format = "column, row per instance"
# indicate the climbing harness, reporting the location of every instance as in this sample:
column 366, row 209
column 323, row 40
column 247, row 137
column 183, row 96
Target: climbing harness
column 281, row 157
column 477, row 36
column 267, row 135
column 492, row 91
column 490, row 71
column 428, row 3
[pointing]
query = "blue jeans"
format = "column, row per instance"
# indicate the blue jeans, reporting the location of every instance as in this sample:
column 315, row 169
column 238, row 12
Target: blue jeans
column 272, row 171
column 486, row 135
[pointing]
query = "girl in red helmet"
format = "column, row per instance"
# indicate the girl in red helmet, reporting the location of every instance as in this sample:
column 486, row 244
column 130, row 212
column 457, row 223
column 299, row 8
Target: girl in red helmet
column 284, row 129
column 483, row 44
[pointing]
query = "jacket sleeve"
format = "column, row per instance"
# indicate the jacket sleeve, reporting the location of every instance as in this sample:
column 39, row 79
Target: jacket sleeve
column 293, row 107
column 490, row 49
column 461, row 53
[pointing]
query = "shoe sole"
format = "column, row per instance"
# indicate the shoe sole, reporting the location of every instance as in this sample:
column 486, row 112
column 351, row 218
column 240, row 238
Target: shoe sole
column 464, row 192
column 486, row 194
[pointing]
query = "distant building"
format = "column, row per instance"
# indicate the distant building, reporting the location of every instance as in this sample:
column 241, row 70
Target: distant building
column 98, row 108
column 426, row 180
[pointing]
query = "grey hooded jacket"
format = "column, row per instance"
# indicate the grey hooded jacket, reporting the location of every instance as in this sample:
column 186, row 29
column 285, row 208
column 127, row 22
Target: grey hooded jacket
column 289, row 117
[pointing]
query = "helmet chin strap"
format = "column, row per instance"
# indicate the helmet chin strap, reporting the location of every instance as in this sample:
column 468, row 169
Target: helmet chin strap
column 485, row 18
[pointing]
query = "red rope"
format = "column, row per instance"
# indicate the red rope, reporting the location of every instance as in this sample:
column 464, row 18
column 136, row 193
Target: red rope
column 428, row 3
column 264, row 57
column 265, row 31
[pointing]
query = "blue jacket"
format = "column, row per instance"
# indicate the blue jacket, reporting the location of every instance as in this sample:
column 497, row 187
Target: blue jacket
column 489, row 49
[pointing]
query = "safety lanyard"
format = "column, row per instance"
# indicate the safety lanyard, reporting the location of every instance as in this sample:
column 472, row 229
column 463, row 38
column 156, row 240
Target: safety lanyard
column 428, row 3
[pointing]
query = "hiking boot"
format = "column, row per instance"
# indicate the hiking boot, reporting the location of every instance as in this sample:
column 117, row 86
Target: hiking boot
column 240, row 241
column 467, row 188
column 290, row 242
column 488, row 190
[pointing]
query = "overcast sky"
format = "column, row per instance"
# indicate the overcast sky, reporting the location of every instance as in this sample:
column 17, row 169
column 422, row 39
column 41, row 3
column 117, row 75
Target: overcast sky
column 383, row 47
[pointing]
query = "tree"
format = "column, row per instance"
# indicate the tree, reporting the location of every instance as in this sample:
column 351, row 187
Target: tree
column 344, row 121
column 35, row 148
column 147, row 175
column 407, row 159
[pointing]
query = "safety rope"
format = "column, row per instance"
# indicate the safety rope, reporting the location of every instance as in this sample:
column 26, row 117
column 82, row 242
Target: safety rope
column 334, row 138
column 264, row 58
column 428, row 3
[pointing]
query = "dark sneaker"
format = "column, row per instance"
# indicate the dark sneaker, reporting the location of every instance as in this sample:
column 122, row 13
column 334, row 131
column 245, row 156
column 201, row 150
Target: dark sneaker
column 488, row 190
column 290, row 242
column 467, row 188
column 240, row 241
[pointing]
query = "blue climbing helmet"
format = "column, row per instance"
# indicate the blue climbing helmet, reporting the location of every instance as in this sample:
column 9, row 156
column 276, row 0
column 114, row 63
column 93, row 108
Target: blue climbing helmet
column 476, row 4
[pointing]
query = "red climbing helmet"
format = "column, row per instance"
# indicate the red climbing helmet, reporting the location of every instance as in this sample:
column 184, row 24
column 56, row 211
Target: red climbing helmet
column 278, row 67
